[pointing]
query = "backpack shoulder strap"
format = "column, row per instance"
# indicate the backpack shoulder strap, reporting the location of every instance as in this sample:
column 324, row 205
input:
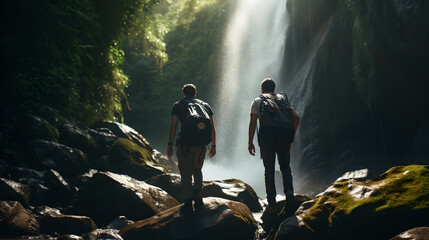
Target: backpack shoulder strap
column 263, row 97
column 284, row 95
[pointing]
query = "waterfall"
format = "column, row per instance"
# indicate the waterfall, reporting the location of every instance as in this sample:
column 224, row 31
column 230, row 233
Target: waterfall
column 253, row 50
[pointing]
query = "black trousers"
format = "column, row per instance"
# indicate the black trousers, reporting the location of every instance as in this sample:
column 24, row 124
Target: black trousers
column 268, row 152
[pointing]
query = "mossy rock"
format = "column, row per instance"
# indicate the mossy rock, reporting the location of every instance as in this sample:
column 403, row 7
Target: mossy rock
column 32, row 127
column 129, row 158
column 378, row 209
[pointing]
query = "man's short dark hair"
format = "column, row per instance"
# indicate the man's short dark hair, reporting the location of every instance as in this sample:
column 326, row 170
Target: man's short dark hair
column 189, row 90
column 268, row 85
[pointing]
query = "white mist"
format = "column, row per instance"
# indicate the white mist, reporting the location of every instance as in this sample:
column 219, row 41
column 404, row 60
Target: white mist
column 253, row 50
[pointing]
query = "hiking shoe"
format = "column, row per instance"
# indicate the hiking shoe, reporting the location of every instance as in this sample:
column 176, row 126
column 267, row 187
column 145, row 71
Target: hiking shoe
column 199, row 204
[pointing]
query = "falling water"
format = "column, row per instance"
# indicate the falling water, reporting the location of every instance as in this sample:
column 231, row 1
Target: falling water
column 253, row 50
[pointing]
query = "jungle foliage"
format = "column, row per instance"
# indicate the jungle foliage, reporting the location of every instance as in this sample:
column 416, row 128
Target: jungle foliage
column 65, row 55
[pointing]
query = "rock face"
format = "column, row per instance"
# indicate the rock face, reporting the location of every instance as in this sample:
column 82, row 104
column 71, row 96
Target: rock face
column 220, row 219
column 419, row 233
column 108, row 195
column 15, row 220
column 381, row 208
column 347, row 91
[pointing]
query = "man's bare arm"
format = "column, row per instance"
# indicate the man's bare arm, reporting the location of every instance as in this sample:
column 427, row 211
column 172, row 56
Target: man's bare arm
column 212, row 151
column 173, row 128
column 296, row 119
column 252, row 129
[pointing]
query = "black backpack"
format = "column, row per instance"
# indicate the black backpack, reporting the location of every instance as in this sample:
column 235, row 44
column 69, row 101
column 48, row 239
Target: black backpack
column 197, row 125
column 276, row 119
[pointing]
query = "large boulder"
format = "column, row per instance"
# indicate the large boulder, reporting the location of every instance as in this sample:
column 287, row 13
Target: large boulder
column 372, row 209
column 131, row 159
column 219, row 219
column 34, row 179
column 107, row 196
column 14, row 191
column 419, row 233
column 124, row 131
column 16, row 221
column 46, row 186
column 232, row 189
column 66, row 224
column 60, row 191
column 52, row 155
column 169, row 182
column 169, row 163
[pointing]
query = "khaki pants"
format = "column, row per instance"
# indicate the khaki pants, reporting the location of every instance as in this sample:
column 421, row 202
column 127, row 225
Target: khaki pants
column 191, row 159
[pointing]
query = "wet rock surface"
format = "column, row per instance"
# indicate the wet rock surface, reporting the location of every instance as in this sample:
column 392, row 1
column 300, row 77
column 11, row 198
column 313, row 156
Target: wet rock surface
column 232, row 189
column 219, row 219
column 419, row 233
column 165, row 161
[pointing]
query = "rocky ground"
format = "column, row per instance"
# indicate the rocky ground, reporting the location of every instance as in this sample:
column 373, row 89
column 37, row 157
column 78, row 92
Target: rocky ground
column 106, row 182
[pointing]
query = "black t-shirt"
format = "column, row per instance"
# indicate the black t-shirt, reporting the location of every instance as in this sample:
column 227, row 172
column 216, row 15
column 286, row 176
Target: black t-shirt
column 179, row 111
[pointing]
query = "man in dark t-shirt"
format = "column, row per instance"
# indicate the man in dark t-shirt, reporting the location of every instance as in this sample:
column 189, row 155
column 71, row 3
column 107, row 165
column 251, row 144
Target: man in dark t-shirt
column 190, row 155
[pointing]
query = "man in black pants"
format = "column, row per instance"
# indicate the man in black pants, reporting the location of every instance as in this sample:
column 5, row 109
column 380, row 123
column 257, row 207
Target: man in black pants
column 272, row 141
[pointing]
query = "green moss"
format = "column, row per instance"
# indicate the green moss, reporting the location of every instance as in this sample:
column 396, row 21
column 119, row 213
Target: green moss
column 399, row 187
column 137, row 155
column 405, row 186
column 315, row 210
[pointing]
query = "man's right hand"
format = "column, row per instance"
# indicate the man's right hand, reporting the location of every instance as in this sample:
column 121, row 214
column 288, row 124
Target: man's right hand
column 170, row 151
column 251, row 149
